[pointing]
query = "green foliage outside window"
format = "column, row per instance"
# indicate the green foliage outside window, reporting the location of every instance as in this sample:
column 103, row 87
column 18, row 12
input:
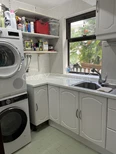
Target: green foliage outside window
column 89, row 51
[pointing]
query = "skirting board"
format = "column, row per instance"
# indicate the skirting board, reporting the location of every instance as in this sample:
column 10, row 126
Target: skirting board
column 79, row 138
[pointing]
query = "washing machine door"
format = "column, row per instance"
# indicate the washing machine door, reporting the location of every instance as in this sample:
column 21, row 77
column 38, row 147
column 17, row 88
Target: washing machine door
column 10, row 60
column 13, row 123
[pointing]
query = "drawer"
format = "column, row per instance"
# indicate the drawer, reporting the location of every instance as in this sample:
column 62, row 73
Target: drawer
column 111, row 141
column 112, row 119
column 112, row 104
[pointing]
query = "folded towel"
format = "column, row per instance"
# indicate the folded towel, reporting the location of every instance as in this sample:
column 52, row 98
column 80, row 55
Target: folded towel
column 105, row 89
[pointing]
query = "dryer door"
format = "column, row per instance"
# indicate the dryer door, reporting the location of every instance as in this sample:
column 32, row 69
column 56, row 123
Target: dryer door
column 10, row 60
column 13, row 123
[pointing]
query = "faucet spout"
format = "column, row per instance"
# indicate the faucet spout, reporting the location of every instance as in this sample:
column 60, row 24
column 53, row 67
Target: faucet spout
column 101, row 81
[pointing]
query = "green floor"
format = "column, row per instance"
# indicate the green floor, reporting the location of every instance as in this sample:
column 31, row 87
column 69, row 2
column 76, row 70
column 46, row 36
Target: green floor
column 52, row 141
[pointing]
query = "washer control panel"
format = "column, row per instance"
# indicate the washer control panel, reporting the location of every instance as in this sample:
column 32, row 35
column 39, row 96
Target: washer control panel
column 12, row 100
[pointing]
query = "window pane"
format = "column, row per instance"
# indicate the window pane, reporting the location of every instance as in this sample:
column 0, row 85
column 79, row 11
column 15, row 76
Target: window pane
column 83, row 27
column 85, row 55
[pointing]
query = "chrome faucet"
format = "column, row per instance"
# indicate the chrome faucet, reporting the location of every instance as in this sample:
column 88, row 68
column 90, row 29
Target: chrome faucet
column 100, row 81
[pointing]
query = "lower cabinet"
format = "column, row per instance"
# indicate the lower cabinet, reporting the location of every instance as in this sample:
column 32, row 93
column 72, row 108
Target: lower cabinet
column 38, row 101
column 54, row 103
column 80, row 113
column 111, row 141
column 93, row 118
column 69, row 110
column 111, row 126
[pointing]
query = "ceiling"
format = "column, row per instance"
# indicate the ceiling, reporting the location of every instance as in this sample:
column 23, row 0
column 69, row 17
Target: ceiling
column 45, row 4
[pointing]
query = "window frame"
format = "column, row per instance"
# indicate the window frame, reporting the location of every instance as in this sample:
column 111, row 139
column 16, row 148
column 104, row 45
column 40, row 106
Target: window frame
column 77, row 39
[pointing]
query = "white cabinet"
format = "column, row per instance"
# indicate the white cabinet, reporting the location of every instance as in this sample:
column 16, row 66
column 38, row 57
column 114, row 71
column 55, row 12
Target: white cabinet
column 111, row 141
column 54, row 102
column 111, row 127
column 69, row 109
column 93, row 118
column 38, row 101
column 106, row 19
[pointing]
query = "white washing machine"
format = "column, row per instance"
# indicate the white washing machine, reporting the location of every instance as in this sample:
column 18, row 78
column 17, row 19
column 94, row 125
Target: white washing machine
column 12, row 69
column 15, row 123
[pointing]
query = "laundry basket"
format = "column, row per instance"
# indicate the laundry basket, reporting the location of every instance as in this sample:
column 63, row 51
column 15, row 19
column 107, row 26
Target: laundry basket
column 54, row 27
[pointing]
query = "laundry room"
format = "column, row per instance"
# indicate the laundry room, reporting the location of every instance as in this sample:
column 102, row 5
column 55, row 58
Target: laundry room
column 57, row 77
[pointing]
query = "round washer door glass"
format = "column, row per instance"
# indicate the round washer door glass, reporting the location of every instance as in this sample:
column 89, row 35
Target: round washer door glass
column 13, row 123
column 10, row 60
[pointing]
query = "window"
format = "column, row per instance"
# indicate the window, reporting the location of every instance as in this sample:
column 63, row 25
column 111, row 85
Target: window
column 84, row 51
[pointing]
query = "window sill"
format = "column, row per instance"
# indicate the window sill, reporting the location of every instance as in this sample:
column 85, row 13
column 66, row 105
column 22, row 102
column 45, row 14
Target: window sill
column 82, row 76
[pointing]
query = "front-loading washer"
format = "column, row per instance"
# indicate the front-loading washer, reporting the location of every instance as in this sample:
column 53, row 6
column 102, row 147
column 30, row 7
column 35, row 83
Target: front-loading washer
column 12, row 69
column 15, row 123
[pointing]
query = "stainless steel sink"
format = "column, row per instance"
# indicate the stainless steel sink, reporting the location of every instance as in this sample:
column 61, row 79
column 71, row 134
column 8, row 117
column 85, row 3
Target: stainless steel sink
column 88, row 85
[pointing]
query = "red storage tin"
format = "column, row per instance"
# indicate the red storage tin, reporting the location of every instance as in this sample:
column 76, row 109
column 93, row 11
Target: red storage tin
column 41, row 27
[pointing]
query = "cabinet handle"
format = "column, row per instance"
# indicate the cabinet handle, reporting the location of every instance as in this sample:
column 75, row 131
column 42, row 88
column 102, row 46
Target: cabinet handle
column 97, row 6
column 80, row 114
column 77, row 113
column 36, row 107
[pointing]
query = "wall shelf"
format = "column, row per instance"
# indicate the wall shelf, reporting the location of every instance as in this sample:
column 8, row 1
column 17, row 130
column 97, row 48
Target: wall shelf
column 40, row 52
column 31, row 14
column 37, row 35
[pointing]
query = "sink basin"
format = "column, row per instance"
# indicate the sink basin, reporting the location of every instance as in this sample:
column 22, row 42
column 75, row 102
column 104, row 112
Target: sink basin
column 88, row 85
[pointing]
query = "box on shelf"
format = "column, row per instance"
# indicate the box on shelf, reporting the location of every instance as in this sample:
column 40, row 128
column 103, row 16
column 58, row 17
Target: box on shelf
column 54, row 27
column 41, row 27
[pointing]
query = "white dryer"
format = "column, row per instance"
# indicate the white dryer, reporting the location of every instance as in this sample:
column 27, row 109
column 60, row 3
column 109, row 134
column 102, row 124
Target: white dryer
column 12, row 69
column 15, row 123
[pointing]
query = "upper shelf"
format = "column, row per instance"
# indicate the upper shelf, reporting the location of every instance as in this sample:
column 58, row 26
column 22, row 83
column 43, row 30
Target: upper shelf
column 39, row 35
column 31, row 14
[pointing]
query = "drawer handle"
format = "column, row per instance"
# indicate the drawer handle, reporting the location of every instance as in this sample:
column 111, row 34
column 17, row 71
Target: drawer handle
column 77, row 113
column 36, row 107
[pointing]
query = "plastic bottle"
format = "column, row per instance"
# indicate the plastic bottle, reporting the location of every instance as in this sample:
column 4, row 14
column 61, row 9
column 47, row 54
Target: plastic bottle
column 7, row 19
column 24, row 24
column 32, row 27
column 13, row 20
column 40, row 45
column 29, row 27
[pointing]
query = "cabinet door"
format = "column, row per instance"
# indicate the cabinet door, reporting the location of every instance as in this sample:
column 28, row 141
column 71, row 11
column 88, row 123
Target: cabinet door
column 54, row 102
column 93, row 118
column 111, row 141
column 106, row 17
column 41, row 104
column 68, row 109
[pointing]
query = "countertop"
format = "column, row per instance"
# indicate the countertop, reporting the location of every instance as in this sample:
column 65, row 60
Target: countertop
column 65, row 82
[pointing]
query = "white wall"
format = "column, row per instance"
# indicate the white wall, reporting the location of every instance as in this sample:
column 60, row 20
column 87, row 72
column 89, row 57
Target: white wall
column 58, row 62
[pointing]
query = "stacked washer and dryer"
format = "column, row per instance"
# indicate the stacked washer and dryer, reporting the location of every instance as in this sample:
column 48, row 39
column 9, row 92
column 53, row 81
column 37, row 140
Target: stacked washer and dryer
column 14, row 110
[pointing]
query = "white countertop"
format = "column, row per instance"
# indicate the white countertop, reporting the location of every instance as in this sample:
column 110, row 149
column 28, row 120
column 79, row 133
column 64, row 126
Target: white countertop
column 65, row 82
